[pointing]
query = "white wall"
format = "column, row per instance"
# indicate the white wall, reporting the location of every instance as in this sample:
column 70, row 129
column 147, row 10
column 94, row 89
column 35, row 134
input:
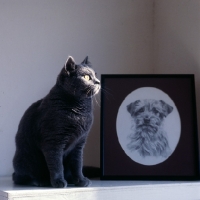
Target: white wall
column 37, row 36
column 130, row 36
column 177, row 39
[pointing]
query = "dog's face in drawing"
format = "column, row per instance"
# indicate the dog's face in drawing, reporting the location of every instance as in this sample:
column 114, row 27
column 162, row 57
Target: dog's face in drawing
column 148, row 137
column 149, row 114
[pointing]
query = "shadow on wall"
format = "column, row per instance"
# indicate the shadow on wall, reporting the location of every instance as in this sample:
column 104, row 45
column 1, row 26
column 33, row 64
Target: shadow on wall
column 177, row 52
column 92, row 147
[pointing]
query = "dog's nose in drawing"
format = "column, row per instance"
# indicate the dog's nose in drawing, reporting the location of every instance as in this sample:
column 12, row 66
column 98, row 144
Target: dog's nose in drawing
column 146, row 120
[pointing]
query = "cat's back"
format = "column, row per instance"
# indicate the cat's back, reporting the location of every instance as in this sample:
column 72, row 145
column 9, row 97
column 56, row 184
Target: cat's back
column 29, row 118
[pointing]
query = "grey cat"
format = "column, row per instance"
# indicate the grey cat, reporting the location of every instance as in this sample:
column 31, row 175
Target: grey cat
column 53, row 131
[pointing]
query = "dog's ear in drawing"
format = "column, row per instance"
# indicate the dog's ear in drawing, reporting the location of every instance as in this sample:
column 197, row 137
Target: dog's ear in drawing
column 166, row 108
column 133, row 107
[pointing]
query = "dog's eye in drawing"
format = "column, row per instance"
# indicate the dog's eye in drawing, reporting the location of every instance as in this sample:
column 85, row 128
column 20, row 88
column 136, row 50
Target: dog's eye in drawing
column 141, row 110
column 158, row 113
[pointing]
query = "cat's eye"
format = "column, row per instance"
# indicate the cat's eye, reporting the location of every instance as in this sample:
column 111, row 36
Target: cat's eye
column 87, row 77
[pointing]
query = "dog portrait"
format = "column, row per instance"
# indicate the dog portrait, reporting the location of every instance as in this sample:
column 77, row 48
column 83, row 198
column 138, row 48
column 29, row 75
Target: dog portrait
column 148, row 136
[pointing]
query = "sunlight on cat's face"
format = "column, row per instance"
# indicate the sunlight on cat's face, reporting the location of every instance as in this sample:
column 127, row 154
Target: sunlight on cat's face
column 91, row 81
column 80, row 79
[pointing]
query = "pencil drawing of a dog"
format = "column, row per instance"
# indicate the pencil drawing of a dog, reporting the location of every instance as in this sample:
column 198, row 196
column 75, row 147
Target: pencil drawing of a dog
column 148, row 137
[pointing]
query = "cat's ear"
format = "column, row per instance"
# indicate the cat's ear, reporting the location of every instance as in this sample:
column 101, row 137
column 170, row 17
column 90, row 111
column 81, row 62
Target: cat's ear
column 70, row 64
column 86, row 62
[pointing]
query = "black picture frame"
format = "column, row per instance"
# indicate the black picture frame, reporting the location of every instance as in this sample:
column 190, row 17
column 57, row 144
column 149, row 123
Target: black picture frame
column 116, row 164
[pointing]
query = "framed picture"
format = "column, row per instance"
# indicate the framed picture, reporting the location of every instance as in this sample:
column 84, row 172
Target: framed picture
column 149, row 128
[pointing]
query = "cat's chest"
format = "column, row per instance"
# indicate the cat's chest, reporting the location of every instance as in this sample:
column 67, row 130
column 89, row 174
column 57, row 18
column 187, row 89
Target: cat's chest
column 83, row 121
column 74, row 121
column 76, row 128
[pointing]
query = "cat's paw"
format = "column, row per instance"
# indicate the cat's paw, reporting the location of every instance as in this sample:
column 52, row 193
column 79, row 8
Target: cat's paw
column 59, row 183
column 84, row 182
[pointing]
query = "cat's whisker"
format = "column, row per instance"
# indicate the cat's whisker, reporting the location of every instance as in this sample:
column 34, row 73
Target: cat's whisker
column 96, row 101
column 88, row 91
column 106, row 90
column 106, row 94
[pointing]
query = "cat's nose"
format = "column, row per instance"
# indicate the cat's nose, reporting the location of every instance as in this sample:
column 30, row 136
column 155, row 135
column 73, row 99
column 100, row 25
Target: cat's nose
column 97, row 81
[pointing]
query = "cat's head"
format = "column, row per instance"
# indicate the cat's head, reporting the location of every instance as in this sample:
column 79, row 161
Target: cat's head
column 78, row 80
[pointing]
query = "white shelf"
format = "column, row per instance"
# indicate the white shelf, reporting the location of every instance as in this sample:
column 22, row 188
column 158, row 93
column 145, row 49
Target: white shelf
column 105, row 190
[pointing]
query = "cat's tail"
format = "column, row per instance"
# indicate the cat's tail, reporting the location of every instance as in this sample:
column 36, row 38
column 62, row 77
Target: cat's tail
column 91, row 172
